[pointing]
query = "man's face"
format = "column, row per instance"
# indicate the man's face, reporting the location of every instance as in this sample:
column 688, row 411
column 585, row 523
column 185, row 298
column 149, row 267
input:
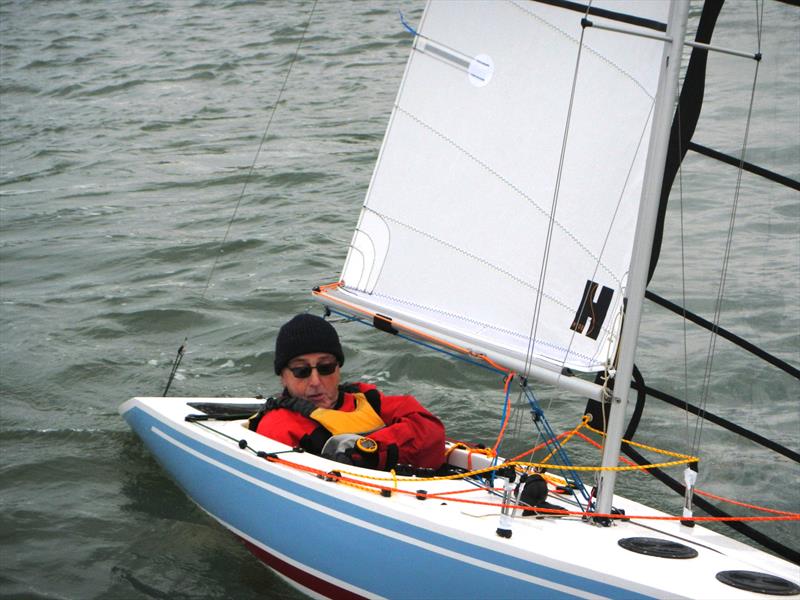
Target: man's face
column 321, row 390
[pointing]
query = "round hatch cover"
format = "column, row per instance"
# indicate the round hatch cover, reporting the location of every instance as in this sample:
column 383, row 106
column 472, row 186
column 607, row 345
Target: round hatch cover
column 762, row 583
column 657, row 547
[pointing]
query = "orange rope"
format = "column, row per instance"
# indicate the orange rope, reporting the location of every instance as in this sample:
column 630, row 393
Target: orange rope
column 455, row 446
column 568, row 437
column 699, row 491
column 488, row 452
column 583, row 436
column 322, row 291
column 536, row 448
column 743, row 504
column 594, row 443
column 368, row 486
column 507, row 411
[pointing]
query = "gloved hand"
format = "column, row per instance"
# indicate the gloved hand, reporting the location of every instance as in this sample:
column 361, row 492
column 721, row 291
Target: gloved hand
column 345, row 448
column 298, row 405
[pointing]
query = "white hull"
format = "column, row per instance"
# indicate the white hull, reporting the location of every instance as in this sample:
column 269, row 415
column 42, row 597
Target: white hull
column 337, row 540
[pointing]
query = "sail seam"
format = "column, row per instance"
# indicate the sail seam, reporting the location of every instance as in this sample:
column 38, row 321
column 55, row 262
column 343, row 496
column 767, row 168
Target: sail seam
column 556, row 301
column 577, row 42
column 460, row 317
column 610, row 330
column 514, row 188
column 466, row 253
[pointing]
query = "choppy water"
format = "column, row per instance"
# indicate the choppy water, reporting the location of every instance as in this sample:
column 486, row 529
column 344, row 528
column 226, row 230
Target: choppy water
column 127, row 134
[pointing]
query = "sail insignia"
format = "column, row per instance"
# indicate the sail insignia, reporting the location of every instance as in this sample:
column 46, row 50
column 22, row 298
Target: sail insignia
column 460, row 218
column 593, row 308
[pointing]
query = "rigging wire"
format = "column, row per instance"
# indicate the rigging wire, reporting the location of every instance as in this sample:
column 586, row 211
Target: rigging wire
column 258, row 150
column 554, row 204
column 247, row 178
column 683, row 280
column 614, row 332
column 725, row 334
column 728, row 242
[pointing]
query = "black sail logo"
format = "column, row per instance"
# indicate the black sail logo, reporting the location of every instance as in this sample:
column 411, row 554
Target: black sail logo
column 592, row 308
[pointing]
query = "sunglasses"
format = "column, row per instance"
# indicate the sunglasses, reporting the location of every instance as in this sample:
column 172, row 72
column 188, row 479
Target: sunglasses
column 323, row 369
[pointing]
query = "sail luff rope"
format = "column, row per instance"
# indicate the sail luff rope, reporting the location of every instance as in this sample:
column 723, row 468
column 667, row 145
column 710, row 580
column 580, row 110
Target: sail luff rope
column 550, row 225
column 220, row 249
column 614, row 330
column 728, row 246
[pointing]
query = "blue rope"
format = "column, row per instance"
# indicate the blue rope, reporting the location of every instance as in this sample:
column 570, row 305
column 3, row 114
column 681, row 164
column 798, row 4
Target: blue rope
column 552, row 441
column 539, row 417
column 408, row 27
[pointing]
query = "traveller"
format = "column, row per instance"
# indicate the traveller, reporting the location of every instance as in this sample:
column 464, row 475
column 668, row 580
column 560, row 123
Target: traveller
column 352, row 423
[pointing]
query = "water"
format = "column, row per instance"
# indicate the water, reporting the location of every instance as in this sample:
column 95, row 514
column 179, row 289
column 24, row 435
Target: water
column 128, row 135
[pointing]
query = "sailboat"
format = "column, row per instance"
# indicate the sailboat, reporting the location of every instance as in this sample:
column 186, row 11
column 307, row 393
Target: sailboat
column 510, row 220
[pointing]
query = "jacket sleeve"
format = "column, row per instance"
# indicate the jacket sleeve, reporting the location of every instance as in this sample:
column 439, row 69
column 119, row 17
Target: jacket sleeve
column 413, row 435
column 285, row 426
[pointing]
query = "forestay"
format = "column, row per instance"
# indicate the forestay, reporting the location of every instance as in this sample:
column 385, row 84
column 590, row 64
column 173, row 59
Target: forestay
column 500, row 198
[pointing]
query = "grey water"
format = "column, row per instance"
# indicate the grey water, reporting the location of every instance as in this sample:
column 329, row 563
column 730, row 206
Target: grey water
column 139, row 207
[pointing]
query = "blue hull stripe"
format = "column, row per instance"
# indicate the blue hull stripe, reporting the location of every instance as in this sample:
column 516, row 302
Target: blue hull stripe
column 398, row 537
column 308, row 526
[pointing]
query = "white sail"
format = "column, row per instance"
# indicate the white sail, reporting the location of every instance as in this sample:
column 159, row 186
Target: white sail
column 498, row 199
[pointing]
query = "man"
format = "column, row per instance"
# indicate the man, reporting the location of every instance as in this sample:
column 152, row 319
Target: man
column 351, row 423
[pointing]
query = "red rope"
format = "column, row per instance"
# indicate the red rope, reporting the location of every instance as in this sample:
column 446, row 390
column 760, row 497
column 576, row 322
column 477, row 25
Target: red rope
column 743, row 504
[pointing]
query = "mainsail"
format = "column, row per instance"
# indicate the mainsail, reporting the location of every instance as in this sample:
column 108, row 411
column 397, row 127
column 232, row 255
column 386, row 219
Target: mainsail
column 501, row 213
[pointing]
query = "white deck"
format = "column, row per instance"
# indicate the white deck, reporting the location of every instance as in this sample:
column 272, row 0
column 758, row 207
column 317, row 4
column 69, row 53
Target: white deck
column 568, row 543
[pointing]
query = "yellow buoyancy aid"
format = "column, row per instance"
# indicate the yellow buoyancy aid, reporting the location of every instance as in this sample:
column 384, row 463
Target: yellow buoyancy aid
column 362, row 419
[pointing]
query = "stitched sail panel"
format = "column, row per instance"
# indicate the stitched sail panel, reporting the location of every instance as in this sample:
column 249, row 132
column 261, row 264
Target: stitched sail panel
column 475, row 222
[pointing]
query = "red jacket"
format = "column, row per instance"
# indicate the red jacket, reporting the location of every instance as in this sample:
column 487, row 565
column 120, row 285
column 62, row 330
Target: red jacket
column 412, row 434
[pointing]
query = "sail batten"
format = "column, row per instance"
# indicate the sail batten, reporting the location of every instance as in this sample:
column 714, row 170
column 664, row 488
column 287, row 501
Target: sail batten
column 593, row 11
column 498, row 200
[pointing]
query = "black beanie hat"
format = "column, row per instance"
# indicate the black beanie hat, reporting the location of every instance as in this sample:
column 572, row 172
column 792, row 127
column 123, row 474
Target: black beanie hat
column 305, row 334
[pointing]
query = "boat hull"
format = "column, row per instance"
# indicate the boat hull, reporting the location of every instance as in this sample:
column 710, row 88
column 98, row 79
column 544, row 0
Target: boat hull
column 335, row 540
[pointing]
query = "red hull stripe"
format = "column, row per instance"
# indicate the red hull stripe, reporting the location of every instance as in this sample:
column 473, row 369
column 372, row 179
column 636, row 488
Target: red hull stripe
column 307, row 580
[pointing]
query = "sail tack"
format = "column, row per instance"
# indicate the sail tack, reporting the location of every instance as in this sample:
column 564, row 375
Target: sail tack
column 502, row 208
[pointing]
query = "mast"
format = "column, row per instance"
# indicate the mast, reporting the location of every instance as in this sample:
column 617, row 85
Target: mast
column 645, row 230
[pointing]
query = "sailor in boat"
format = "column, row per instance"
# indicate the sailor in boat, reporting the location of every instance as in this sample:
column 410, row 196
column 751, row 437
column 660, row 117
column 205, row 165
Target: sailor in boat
column 352, row 423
